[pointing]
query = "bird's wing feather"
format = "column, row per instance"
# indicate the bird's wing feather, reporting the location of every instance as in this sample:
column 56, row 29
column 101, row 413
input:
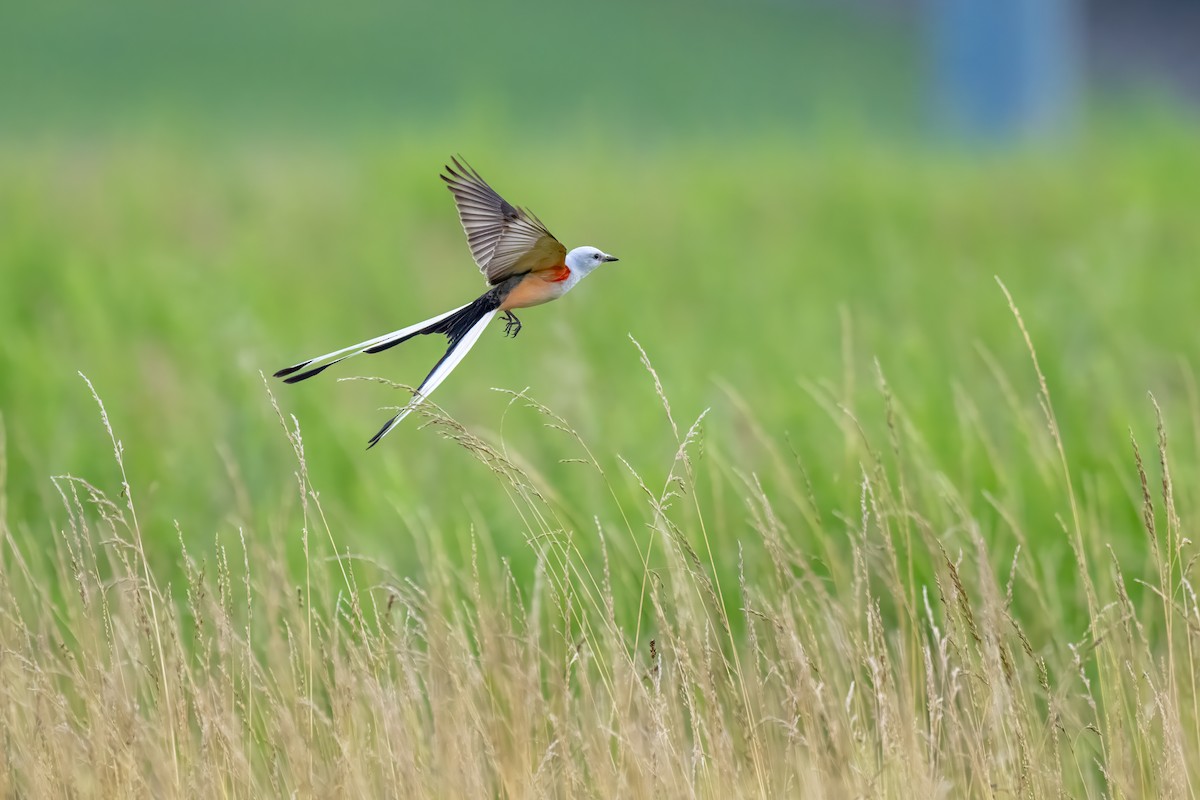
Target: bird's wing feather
column 504, row 240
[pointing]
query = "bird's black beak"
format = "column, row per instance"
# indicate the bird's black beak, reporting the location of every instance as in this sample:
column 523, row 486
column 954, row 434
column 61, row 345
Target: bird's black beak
column 611, row 258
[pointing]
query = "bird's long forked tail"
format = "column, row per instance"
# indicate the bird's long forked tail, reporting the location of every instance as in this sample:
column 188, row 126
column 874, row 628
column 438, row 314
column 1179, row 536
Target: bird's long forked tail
column 461, row 341
column 462, row 326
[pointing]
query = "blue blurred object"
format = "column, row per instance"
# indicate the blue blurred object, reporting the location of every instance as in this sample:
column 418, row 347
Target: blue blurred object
column 1005, row 70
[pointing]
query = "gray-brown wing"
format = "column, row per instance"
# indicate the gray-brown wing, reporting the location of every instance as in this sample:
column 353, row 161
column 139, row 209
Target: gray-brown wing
column 504, row 240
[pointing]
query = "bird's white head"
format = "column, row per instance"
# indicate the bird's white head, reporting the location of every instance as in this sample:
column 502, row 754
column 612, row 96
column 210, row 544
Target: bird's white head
column 583, row 260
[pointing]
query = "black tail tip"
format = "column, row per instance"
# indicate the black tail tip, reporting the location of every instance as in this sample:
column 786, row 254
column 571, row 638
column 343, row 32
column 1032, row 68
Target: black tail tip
column 303, row 376
column 387, row 426
column 289, row 370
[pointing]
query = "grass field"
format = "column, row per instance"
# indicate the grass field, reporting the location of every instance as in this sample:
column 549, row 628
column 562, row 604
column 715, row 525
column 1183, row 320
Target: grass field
column 780, row 504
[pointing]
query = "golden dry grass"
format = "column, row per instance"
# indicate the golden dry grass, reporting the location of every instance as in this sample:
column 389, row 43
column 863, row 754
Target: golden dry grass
column 884, row 649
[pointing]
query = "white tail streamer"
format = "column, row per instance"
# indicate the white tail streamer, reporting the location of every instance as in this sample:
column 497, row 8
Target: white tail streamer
column 321, row 363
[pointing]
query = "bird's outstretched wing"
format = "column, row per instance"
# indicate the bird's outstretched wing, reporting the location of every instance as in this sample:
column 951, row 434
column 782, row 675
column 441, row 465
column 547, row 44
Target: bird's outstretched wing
column 504, row 240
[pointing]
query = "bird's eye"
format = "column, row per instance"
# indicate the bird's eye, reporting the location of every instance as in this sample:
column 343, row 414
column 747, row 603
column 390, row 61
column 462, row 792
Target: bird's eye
column 595, row 255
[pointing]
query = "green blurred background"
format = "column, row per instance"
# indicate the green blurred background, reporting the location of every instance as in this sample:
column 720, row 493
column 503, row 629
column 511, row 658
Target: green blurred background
column 194, row 195
column 537, row 71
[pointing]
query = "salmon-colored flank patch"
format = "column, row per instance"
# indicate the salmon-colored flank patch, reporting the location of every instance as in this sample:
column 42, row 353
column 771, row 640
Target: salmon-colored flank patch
column 536, row 288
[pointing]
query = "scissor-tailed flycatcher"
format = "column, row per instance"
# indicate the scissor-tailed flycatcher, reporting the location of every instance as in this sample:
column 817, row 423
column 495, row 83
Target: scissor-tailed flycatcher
column 523, row 263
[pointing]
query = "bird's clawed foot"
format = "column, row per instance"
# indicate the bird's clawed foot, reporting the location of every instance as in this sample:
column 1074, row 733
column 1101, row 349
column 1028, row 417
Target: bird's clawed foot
column 512, row 325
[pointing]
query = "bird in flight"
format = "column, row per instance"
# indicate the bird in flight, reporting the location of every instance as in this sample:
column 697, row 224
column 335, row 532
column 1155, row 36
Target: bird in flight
column 523, row 263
